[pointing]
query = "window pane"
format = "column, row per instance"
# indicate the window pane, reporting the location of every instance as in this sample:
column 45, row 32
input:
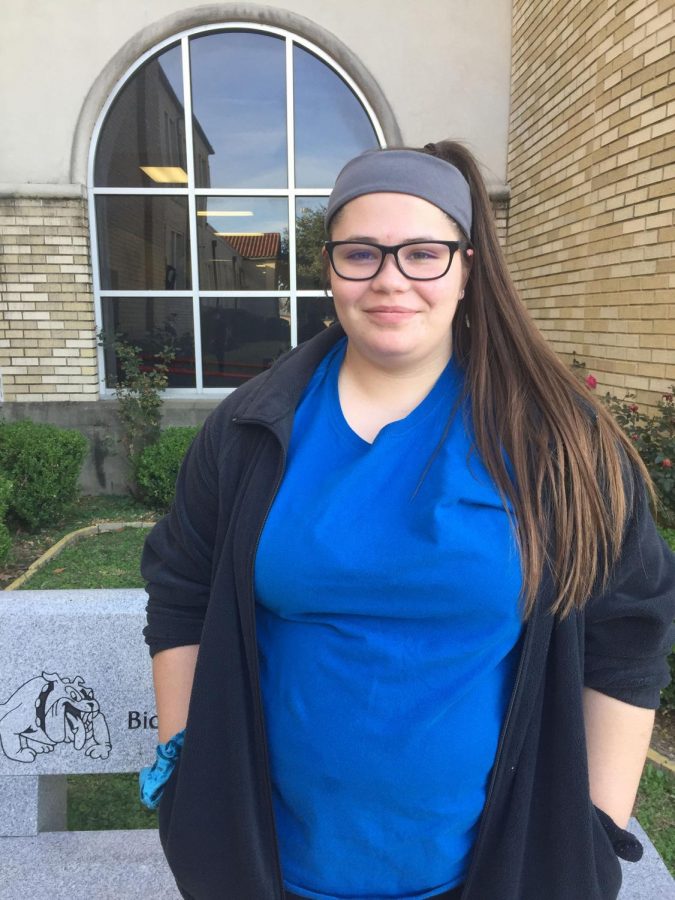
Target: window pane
column 143, row 243
column 243, row 243
column 239, row 110
column 314, row 314
column 242, row 337
column 145, row 129
column 309, row 237
column 152, row 323
column 331, row 126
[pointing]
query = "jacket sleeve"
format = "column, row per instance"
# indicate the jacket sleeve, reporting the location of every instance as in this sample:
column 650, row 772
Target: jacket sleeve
column 178, row 553
column 629, row 629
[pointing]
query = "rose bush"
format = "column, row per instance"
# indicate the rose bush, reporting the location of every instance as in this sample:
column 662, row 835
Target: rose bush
column 654, row 439
column 652, row 435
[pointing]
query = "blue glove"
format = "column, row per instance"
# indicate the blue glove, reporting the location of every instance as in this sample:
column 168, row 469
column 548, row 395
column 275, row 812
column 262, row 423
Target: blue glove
column 152, row 779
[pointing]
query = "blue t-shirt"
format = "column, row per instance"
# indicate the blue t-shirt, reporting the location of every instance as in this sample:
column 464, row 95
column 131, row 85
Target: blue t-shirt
column 387, row 615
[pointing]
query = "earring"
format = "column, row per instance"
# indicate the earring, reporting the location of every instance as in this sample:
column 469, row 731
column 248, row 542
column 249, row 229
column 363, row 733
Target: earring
column 466, row 319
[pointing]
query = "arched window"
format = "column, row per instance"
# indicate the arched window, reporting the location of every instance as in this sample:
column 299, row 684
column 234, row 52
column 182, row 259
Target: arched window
column 209, row 173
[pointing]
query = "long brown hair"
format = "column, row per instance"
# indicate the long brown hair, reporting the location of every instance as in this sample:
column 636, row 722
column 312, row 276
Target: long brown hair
column 567, row 456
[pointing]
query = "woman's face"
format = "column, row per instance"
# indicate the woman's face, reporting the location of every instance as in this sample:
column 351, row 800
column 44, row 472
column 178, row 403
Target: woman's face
column 391, row 321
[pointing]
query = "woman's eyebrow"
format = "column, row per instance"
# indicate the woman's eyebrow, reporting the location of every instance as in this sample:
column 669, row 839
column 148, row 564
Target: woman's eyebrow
column 373, row 240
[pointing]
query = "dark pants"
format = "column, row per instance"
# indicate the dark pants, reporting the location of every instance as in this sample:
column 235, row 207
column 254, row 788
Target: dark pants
column 454, row 894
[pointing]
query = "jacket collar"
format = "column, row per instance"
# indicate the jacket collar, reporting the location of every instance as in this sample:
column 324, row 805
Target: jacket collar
column 276, row 393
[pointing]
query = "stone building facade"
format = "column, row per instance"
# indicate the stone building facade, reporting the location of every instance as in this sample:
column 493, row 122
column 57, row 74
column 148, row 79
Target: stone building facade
column 570, row 113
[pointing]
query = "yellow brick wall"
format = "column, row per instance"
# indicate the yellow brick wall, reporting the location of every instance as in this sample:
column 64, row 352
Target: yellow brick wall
column 500, row 207
column 47, row 330
column 591, row 236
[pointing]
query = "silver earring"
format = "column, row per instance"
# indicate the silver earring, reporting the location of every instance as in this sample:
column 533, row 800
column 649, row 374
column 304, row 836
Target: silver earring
column 466, row 319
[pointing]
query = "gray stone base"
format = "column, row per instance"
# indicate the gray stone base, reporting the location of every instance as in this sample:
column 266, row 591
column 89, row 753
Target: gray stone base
column 100, row 865
column 32, row 803
column 649, row 879
column 129, row 865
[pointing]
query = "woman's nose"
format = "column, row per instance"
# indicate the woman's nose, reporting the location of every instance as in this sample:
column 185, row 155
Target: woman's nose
column 390, row 276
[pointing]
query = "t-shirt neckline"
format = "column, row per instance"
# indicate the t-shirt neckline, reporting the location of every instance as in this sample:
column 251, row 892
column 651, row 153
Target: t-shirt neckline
column 443, row 393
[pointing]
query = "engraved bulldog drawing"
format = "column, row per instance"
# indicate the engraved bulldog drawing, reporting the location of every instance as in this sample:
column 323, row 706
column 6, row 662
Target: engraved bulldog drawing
column 50, row 710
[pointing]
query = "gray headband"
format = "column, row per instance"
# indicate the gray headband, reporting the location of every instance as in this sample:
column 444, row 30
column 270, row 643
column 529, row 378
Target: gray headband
column 404, row 172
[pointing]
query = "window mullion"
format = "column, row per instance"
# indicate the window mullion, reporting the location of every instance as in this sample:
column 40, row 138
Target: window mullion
column 290, row 138
column 192, row 212
column 96, row 284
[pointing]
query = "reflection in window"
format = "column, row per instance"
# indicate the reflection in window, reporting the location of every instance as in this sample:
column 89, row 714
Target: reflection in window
column 310, row 233
column 314, row 314
column 142, row 141
column 225, row 227
column 239, row 103
column 243, row 243
column 143, row 242
column 242, row 337
column 152, row 323
column 330, row 124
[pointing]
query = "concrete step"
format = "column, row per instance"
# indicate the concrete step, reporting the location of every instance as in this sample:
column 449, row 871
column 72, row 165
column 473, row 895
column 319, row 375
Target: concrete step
column 129, row 865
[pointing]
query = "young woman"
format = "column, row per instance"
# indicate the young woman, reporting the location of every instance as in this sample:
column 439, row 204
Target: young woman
column 410, row 600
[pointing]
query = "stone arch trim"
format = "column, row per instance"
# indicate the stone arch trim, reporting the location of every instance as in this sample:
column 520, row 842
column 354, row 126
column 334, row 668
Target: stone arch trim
column 212, row 14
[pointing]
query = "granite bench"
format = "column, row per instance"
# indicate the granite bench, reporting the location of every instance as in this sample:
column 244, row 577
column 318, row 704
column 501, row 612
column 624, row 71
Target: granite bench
column 76, row 697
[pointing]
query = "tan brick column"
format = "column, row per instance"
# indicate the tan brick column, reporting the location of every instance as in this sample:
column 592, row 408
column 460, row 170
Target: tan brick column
column 47, row 331
column 591, row 236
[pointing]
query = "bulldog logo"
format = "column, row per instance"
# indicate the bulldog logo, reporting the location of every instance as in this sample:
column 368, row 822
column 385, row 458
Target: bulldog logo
column 50, row 710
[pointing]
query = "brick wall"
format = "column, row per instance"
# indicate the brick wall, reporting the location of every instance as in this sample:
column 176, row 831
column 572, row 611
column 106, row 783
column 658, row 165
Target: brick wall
column 591, row 237
column 47, row 331
column 500, row 207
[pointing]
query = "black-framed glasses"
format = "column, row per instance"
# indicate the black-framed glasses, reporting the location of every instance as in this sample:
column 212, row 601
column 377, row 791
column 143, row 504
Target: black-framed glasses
column 417, row 260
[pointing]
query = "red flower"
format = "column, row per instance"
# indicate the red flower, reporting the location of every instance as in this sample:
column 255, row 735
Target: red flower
column 633, row 407
column 591, row 381
column 668, row 398
column 633, row 437
column 666, row 463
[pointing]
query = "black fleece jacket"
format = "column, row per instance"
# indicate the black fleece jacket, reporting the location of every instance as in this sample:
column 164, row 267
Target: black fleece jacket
column 539, row 837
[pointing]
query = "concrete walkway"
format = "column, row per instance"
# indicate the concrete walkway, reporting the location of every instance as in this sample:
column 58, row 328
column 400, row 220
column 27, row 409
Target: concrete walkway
column 129, row 865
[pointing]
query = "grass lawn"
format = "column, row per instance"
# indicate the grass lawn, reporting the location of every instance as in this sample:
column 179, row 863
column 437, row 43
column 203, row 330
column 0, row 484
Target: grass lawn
column 655, row 810
column 27, row 547
column 112, row 560
column 108, row 560
column 106, row 802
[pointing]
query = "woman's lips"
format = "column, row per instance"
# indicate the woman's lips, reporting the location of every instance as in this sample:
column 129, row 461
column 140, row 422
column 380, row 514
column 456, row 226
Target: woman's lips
column 390, row 314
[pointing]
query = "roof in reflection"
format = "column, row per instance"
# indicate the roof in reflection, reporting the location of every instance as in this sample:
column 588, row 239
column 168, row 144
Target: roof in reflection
column 258, row 246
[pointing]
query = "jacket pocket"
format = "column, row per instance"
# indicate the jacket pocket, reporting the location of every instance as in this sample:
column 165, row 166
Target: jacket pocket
column 625, row 845
column 607, row 864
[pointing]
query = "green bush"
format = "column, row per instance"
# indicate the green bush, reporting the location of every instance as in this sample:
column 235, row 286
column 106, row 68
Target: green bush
column 139, row 384
column 5, row 539
column 43, row 463
column 158, row 465
column 652, row 435
column 654, row 438
column 668, row 695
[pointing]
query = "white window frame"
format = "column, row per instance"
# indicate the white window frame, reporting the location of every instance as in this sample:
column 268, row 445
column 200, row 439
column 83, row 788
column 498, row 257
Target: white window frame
column 291, row 193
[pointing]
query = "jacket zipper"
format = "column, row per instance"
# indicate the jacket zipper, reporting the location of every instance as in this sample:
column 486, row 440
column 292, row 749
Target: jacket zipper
column 267, row 781
column 497, row 769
